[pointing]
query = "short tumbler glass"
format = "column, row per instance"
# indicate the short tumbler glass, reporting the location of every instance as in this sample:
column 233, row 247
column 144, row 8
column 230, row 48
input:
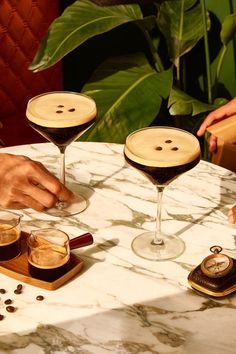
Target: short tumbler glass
column 48, row 253
column 10, row 232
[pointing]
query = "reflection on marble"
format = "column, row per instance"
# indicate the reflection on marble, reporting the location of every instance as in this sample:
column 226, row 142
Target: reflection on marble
column 120, row 303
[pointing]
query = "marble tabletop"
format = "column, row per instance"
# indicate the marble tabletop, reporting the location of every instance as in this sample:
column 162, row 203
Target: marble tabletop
column 119, row 302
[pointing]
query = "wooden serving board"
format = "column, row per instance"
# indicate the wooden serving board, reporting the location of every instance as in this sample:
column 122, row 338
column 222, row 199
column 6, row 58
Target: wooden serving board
column 17, row 268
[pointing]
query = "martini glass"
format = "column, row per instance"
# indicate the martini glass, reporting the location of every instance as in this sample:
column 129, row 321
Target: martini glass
column 161, row 154
column 61, row 117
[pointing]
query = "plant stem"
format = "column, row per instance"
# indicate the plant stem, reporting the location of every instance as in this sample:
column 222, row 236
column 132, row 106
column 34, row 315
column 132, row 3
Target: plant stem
column 220, row 62
column 177, row 60
column 207, row 56
column 156, row 58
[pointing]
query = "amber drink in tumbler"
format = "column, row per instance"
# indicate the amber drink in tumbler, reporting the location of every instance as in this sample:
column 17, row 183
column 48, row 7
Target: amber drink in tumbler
column 48, row 254
column 9, row 235
column 161, row 154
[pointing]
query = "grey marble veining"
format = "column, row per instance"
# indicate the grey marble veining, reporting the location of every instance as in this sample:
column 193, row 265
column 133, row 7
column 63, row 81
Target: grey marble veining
column 120, row 303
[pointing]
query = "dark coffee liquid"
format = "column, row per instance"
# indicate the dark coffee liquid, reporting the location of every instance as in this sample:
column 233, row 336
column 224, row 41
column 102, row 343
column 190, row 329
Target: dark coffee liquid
column 61, row 136
column 10, row 251
column 163, row 175
column 47, row 274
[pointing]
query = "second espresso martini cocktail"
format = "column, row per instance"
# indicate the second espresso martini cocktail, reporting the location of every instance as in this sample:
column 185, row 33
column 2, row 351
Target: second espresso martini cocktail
column 61, row 117
column 161, row 154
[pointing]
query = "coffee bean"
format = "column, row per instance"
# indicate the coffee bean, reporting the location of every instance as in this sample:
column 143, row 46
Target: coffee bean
column 8, row 302
column 158, row 148
column 40, row 298
column 71, row 109
column 60, row 106
column 1, row 317
column 168, row 141
column 17, row 291
column 59, row 111
column 10, row 309
column 19, row 287
column 2, row 291
column 175, row 148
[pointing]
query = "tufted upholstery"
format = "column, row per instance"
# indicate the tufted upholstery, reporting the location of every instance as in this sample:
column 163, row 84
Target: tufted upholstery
column 23, row 23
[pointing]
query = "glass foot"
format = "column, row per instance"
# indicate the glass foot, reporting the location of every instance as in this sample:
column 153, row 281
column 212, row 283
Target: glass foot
column 79, row 204
column 144, row 247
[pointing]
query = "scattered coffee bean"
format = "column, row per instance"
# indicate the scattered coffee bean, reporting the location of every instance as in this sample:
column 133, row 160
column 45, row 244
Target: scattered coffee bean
column 19, row 287
column 17, row 291
column 10, row 309
column 40, row 298
column 168, row 141
column 1, row 317
column 2, row 291
column 175, row 149
column 158, row 148
column 60, row 106
column 8, row 302
column 71, row 109
column 59, row 111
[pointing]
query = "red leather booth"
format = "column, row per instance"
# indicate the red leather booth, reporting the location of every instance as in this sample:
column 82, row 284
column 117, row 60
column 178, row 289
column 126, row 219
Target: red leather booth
column 22, row 26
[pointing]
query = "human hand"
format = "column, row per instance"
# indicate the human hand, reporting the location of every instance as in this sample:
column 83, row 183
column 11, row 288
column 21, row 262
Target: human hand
column 25, row 183
column 219, row 114
column 232, row 215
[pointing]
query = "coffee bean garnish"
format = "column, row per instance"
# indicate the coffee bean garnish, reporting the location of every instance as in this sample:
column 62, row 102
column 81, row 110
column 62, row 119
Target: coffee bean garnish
column 60, row 106
column 71, row 110
column 168, row 141
column 2, row 291
column 17, row 291
column 158, row 148
column 175, row 148
column 59, row 111
column 40, row 298
column 8, row 302
column 19, row 287
column 10, row 309
column 1, row 317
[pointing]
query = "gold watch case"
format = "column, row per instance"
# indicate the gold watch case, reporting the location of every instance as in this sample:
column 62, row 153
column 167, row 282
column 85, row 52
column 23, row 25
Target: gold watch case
column 216, row 265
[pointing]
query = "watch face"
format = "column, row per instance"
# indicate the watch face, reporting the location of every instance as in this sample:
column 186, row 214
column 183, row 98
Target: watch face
column 216, row 265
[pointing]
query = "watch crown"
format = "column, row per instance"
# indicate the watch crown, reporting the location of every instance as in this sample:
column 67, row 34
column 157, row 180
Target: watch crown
column 216, row 249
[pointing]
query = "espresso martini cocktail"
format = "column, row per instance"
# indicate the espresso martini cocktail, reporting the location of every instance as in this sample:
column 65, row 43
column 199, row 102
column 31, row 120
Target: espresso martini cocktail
column 61, row 117
column 161, row 154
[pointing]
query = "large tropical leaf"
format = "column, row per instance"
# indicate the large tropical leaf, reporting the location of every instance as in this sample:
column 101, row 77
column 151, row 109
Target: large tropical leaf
column 79, row 22
column 181, row 23
column 128, row 93
column 228, row 29
column 181, row 103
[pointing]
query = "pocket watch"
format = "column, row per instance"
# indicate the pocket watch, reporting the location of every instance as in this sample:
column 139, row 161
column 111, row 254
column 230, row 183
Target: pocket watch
column 217, row 264
column 216, row 275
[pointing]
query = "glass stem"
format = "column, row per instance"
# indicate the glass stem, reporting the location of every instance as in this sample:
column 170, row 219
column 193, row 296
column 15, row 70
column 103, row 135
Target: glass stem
column 62, row 164
column 158, row 238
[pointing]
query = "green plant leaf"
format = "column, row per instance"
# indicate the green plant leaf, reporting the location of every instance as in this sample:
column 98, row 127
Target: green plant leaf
column 128, row 93
column 228, row 29
column 79, row 22
column 180, row 103
column 180, row 21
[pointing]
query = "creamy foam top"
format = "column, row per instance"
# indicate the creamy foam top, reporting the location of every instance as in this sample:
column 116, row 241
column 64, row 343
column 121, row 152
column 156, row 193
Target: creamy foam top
column 162, row 147
column 8, row 234
column 47, row 252
column 61, row 109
